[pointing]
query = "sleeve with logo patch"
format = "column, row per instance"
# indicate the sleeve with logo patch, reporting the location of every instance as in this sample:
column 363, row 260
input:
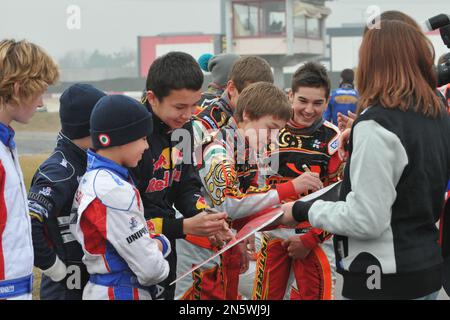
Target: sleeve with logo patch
column 128, row 233
column 172, row 228
column 334, row 170
column 187, row 195
column 222, row 186
column 45, row 200
column 316, row 236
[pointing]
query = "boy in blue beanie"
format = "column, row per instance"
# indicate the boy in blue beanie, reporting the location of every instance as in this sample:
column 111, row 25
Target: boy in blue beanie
column 123, row 260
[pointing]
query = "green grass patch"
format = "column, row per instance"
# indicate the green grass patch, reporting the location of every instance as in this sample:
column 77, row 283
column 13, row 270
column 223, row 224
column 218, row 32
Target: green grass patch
column 29, row 165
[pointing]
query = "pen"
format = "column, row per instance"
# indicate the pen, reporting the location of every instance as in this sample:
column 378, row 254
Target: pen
column 211, row 210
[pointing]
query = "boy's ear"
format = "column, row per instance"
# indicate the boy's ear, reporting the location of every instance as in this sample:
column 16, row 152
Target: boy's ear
column 151, row 98
column 231, row 88
column 291, row 96
column 245, row 117
column 16, row 89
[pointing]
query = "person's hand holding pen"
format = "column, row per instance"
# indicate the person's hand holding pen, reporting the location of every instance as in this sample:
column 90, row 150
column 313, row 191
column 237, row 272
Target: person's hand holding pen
column 206, row 223
column 307, row 181
column 224, row 235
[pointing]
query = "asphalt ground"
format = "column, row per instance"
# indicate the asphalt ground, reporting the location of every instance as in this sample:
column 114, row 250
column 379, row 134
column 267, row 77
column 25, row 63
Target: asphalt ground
column 30, row 142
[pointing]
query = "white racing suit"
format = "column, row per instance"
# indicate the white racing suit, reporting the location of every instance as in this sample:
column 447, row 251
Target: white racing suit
column 16, row 246
column 123, row 261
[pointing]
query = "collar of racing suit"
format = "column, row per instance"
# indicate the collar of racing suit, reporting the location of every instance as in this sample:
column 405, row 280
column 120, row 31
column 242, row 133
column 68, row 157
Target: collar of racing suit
column 306, row 131
column 63, row 142
column 215, row 88
column 96, row 161
column 233, row 125
column 227, row 105
column 7, row 136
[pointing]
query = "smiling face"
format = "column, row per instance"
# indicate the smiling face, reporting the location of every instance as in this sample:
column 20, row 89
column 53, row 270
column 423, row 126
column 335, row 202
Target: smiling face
column 177, row 108
column 261, row 129
column 131, row 153
column 308, row 105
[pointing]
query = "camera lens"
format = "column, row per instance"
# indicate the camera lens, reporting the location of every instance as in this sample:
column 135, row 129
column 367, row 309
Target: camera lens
column 443, row 71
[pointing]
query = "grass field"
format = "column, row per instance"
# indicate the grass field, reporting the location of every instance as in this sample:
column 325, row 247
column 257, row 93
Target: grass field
column 29, row 164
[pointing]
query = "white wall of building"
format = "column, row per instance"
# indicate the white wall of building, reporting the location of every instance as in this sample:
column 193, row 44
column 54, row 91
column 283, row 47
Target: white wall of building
column 194, row 49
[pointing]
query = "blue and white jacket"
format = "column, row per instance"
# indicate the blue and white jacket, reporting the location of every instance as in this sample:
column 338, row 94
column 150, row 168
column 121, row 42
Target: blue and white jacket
column 123, row 261
column 16, row 246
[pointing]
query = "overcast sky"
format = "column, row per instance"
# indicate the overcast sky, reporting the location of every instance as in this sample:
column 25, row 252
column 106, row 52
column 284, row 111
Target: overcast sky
column 112, row 25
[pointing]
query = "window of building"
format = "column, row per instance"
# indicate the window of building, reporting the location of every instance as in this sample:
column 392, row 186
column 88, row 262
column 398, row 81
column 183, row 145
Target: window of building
column 313, row 28
column 259, row 18
column 246, row 19
column 300, row 26
column 308, row 19
column 274, row 18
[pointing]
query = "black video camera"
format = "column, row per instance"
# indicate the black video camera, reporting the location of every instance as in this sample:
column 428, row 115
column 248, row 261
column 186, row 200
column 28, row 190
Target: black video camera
column 442, row 22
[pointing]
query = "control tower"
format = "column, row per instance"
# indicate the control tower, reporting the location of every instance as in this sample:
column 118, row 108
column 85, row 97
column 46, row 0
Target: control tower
column 284, row 32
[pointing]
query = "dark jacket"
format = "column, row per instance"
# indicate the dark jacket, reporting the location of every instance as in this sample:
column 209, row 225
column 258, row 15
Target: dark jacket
column 166, row 178
column 50, row 201
column 407, row 253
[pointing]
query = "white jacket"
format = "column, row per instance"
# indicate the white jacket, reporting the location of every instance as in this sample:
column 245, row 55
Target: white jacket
column 108, row 221
column 16, row 245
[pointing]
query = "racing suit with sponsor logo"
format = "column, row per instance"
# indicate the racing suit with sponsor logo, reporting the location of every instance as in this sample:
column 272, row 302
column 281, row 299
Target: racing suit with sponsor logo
column 214, row 116
column 229, row 174
column 342, row 100
column 212, row 93
column 123, row 261
column 16, row 245
column 315, row 147
column 167, row 180
column 208, row 282
column 50, row 200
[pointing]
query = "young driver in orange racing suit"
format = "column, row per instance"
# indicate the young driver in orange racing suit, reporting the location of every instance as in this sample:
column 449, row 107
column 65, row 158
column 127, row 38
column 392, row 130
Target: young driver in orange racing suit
column 210, row 280
column 306, row 143
column 229, row 175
